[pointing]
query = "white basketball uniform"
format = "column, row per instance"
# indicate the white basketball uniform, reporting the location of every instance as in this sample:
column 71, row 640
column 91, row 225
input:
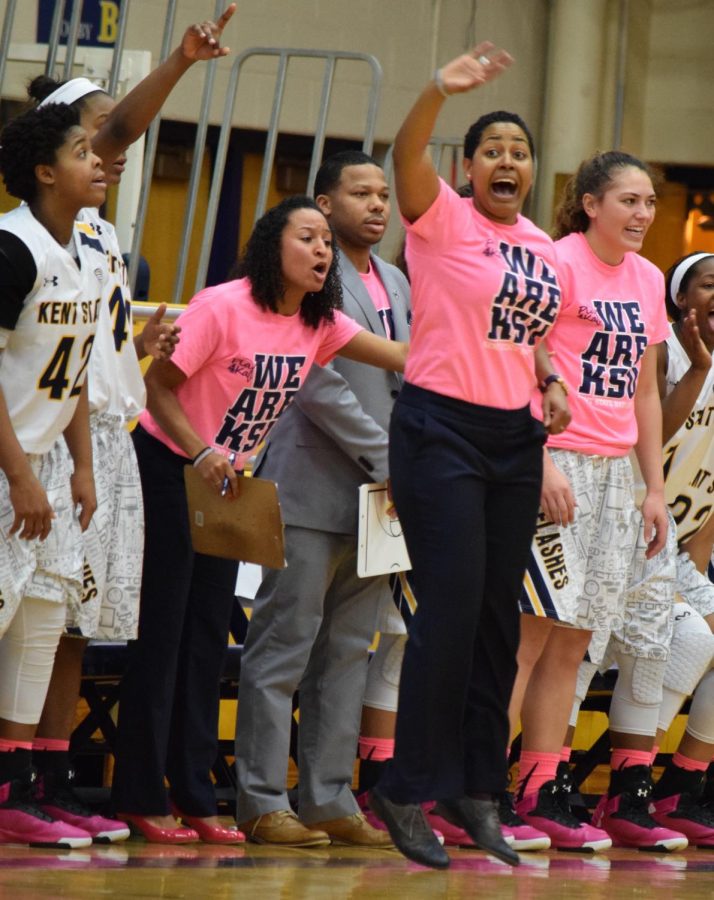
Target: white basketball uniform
column 114, row 541
column 49, row 322
column 688, row 464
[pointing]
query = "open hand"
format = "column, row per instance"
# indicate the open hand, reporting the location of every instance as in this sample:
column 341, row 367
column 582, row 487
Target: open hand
column 484, row 63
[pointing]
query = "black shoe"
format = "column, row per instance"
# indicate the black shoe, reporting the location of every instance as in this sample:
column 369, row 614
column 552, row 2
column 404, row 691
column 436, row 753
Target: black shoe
column 479, row 819
column 409, row 830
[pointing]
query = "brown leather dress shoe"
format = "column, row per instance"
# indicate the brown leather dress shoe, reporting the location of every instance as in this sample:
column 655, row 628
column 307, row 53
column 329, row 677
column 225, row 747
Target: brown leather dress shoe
column 355, row 831
column 284, row 829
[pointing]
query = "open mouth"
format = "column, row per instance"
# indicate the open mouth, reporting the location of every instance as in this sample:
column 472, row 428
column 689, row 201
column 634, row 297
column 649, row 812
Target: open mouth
column 505, row 188
column 320, row 269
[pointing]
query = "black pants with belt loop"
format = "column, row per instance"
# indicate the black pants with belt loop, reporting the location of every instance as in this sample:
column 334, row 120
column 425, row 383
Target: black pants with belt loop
column 466, row 482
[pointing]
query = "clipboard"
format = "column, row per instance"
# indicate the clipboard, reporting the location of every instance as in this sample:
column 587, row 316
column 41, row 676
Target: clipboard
column 381, row 549
column 249, row 529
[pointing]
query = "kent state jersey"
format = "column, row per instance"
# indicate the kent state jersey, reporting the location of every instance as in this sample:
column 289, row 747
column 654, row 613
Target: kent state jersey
column 689, row 454
column 49, row 316
column 116, row 385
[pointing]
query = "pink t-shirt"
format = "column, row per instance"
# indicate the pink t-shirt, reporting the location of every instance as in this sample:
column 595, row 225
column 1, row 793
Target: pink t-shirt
column 378, row 295
column 243, row 366
column 483, row 296
column 610, row 315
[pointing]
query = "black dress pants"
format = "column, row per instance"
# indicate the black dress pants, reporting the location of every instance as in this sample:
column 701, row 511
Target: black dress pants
column 466, row 481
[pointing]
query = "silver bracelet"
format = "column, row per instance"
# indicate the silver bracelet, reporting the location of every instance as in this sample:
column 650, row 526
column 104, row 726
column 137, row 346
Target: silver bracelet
column 439, row 83
column 199, row 457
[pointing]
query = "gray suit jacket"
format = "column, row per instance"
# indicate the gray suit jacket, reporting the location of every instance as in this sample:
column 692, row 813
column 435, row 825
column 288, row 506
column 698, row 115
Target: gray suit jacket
column 334, row 436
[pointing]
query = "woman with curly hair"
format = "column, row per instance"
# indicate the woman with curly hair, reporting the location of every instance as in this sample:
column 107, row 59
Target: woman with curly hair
column 48, row 317
column 246, row 347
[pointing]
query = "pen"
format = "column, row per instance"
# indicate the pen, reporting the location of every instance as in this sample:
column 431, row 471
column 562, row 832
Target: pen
column 226, row 482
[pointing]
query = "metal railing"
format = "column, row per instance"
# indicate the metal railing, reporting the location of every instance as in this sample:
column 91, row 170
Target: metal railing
column 65, row 55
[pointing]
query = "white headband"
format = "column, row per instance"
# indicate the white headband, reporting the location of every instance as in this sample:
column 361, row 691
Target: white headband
column 681, row 271
column 71, row 91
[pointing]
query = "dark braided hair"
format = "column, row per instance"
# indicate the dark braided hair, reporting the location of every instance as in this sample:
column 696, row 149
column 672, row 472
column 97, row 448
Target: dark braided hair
column 261, row 263
column 473, row 136
column 31, row 140
column 594, row 176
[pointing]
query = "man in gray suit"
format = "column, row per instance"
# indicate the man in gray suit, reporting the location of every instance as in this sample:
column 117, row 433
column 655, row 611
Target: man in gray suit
column 313, row 622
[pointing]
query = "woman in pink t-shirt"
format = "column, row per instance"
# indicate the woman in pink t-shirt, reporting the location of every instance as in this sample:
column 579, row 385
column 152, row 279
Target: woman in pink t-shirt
column 604, row 344
column 466, row 460
column 246, row 347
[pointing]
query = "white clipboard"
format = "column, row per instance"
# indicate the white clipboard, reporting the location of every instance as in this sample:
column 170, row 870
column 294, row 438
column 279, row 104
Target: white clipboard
column 381, row 549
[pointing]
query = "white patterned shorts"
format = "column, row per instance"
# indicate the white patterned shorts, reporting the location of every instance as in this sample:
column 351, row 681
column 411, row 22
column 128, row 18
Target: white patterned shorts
column 577, row 573
column 46, row 570
column 643, row 628
column 114, row 542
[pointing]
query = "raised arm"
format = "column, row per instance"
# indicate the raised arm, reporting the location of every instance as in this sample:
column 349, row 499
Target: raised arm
column 133, row 114
column 415, row 177
column 677, row 405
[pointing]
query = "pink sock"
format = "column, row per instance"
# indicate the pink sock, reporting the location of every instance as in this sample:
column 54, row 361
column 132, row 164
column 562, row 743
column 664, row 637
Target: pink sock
column 565, row 754
column 688, row 764
column 655, row 751
column 9, row 746
column 623, row 759
column 535, row 769
column 376, row 749
column 43, row 743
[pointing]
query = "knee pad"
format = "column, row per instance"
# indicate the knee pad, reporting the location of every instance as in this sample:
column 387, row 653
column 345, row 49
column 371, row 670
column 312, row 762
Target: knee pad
column 691, row 650
column 694, row 587
column 635, row 704
column 586, row 671
column 382, row 689
column 701, row 714
column 27, row 655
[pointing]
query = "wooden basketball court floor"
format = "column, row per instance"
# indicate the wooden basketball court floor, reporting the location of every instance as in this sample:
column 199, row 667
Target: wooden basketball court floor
column 135, row 869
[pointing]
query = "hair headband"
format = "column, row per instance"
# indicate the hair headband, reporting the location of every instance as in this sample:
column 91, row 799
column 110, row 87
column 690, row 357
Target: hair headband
column 681, row 271
column 71, row 91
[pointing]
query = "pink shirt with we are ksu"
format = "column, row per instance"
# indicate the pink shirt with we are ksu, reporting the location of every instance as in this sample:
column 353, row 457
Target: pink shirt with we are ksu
column 484, row 295
column 610, row 316
column 243, row 366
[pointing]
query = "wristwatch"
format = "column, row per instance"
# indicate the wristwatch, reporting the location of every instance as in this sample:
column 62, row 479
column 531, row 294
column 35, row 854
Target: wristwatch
column 554, row 378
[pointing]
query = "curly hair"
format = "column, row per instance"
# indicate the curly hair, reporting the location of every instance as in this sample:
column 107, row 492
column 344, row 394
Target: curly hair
column 473, row 136
column 31, row 140
column 594, row 176
column 329, row 174
column 261, row 263
column 673, row 311
column 40, row 88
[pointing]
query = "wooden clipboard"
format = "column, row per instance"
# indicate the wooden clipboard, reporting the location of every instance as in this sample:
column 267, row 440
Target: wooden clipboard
column 249, row 529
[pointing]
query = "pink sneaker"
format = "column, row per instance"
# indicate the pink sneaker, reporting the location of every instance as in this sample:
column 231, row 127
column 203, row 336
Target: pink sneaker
column 624, row 813
column 695, row 822
column 453, row 835
column 22, row 822
column 56, row 797
column 376, row 822
column 548, row 811
column 523, row 837
column 678, row 802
